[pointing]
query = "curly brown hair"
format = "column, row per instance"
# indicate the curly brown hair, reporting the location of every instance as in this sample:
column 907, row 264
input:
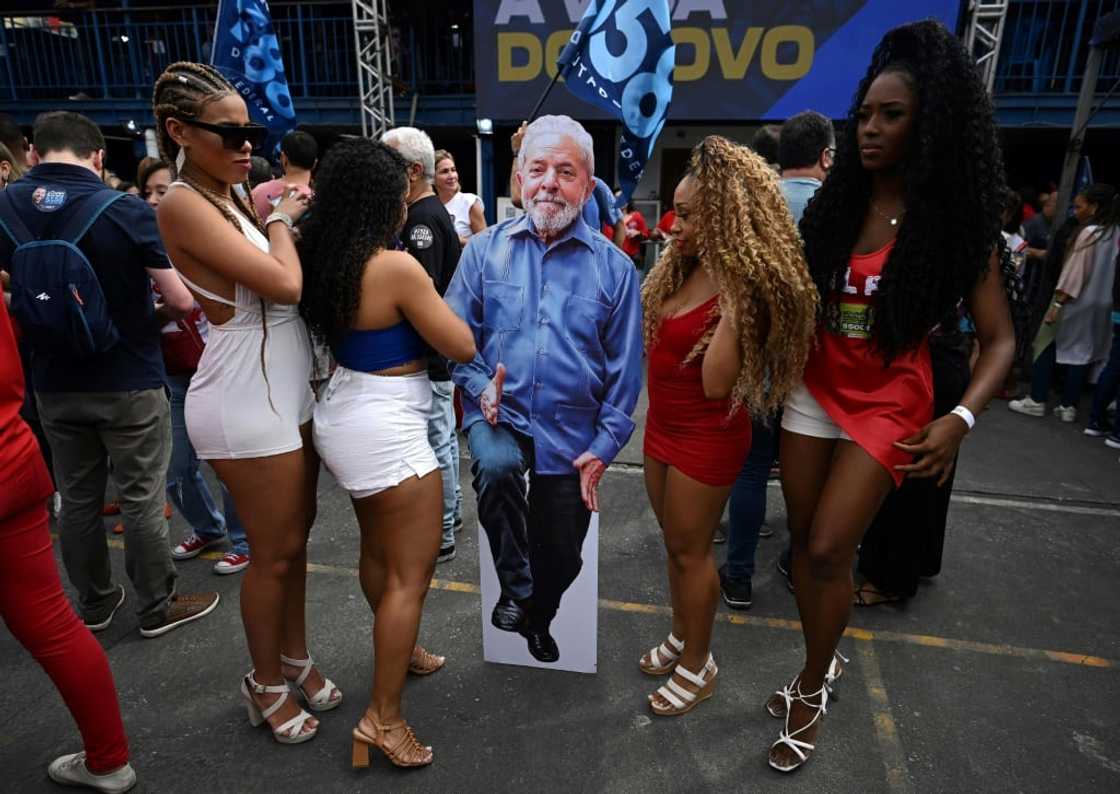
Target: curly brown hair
column 746, row 239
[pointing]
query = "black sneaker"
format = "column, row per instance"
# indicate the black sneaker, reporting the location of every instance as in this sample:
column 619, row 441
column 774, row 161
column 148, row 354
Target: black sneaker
column 1096, row 429
column 457, row 526
column 764, row 531
column 446, row 553
column 736, row 592
column 101, row 625
column 1113, row 440
column 784, row 561
column 721, row 534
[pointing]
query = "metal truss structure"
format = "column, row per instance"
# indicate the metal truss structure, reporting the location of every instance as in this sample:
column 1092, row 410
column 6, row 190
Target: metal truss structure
column 372, row 45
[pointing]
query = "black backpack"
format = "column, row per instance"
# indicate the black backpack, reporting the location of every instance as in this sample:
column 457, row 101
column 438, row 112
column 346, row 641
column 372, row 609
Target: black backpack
column 56, row 296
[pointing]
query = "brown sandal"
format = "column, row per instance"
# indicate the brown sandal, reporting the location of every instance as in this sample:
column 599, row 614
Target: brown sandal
column 423, row 662
column 402, row 750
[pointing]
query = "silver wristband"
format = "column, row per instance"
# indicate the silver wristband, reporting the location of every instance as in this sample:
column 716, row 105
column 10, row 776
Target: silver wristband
column 278, row 217
column 966, row 415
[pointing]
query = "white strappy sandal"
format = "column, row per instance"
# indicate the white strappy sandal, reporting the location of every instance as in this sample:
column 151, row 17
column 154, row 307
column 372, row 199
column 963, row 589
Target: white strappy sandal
column 801, row 749
column 681, row 700
column 325, row 699
column 290, row 732
column 777, row 707
column 663, row 658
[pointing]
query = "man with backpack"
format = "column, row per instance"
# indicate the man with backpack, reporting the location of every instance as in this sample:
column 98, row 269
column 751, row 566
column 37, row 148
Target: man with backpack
column 82, row 258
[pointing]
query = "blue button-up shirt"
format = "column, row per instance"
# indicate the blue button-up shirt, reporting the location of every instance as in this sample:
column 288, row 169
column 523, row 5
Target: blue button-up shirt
column 566, row 321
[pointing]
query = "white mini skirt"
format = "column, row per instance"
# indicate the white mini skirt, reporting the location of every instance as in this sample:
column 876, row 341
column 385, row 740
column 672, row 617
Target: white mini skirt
column 805, row 416
column 372, row 430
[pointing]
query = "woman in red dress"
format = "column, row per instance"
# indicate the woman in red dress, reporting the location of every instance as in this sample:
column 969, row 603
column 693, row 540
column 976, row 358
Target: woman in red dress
column 904, row 228
column 729, row 312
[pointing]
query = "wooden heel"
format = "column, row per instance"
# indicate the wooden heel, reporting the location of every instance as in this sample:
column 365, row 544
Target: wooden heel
column 359, row 754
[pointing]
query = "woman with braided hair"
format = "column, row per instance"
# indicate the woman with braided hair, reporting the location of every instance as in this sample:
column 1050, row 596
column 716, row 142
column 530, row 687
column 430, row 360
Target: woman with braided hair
column 729, row 312
column 248, row 409
column 904, row 229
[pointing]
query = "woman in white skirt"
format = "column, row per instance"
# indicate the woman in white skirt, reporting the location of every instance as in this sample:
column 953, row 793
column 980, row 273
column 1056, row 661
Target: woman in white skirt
column 379, row 311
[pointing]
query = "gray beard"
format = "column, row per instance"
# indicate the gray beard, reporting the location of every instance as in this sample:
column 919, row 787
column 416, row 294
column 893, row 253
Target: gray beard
column 550, row 224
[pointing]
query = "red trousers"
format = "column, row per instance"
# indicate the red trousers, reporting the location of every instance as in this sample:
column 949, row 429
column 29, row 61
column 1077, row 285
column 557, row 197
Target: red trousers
column 39, row 615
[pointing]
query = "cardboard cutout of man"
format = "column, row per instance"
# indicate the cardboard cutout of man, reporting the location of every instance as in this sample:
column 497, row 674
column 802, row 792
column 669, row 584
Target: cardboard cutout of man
column 556, row 316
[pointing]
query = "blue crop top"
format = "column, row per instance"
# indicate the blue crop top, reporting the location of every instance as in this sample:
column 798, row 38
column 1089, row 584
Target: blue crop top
column 372, row 350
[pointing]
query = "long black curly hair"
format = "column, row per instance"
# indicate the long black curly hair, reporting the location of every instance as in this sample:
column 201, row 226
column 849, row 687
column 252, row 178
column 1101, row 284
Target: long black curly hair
column 360, row 187
column 954, row 190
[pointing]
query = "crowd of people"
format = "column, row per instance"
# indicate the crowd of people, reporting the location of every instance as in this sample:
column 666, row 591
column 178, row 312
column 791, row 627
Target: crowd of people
column 808, row 308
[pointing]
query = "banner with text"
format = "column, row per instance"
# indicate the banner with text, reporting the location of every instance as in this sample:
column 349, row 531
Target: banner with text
column 736, row 60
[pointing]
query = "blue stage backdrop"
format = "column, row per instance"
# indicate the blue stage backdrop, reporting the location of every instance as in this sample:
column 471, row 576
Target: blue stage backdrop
column 736, row 60
column 247, row 52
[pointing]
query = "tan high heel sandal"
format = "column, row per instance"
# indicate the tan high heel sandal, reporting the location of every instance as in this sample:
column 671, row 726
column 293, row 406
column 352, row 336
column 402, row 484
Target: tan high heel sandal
column 404, row 750
column 424, row 662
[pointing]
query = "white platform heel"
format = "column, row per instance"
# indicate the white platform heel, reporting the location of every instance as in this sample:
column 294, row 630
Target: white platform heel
column 290, row 732
column 327, row 698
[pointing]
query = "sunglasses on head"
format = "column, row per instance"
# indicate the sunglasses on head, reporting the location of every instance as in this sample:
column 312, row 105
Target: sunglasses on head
column 234, row 135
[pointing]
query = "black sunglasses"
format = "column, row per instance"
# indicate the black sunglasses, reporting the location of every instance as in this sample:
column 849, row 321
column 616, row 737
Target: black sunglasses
column 234, row 135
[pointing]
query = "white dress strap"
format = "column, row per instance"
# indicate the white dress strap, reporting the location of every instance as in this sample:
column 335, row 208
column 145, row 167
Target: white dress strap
column 205, row 292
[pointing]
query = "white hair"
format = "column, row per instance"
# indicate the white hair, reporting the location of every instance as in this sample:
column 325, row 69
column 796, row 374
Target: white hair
column 559, row 125
column 415, row 146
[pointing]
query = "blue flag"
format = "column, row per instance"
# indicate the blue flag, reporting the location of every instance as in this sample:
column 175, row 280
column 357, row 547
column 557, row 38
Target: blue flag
column 621, row 58
column 247, row 52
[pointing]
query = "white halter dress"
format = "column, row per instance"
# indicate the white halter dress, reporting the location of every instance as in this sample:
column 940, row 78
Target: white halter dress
column 234, row 407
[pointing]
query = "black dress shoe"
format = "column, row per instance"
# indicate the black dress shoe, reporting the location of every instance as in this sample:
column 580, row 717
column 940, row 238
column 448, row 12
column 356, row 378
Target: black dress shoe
column 541, row 645
column 508, row 615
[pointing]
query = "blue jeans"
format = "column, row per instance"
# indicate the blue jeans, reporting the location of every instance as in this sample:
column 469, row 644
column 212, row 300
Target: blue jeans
column 1109, row 382
column 747, row 510
column 535, row 530
column 445, row 443
column 185, row 487
column 1043, row 373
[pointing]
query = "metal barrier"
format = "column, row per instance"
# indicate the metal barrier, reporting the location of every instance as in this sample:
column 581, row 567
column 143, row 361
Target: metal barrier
column 1046, row 44
column 118, row 53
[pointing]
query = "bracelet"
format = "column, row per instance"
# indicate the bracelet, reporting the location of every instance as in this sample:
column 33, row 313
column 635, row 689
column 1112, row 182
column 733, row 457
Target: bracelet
column 966, row 415
column 278, row 217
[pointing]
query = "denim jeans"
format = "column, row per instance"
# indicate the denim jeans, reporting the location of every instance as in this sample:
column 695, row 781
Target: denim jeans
column 536, row 529
column 747, row 509
column 1043, row 374
column 445, row 443
column 185, row 487
column 1109, row 382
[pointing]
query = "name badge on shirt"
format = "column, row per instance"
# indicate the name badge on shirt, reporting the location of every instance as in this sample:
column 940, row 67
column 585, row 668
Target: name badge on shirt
column 851, row 320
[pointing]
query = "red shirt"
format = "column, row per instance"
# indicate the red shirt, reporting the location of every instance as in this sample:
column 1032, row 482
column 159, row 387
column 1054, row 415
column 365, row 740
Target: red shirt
column 632, row 246
column 666, row 222
column 875, row 405
column 24, row 479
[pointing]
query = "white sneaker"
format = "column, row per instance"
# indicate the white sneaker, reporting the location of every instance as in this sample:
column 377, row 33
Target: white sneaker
column 70, row 770
column 1067, row 413
column 1027, row 406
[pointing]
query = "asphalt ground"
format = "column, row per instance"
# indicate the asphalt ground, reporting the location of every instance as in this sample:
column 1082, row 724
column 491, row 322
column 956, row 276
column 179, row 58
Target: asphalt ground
column 1002, row 675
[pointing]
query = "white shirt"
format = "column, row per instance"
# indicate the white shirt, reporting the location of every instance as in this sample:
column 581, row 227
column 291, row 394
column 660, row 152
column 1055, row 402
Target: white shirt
column 459, row 208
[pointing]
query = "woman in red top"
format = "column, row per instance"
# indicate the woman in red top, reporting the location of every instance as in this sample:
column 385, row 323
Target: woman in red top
column 900, row 233
column 729, row 314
